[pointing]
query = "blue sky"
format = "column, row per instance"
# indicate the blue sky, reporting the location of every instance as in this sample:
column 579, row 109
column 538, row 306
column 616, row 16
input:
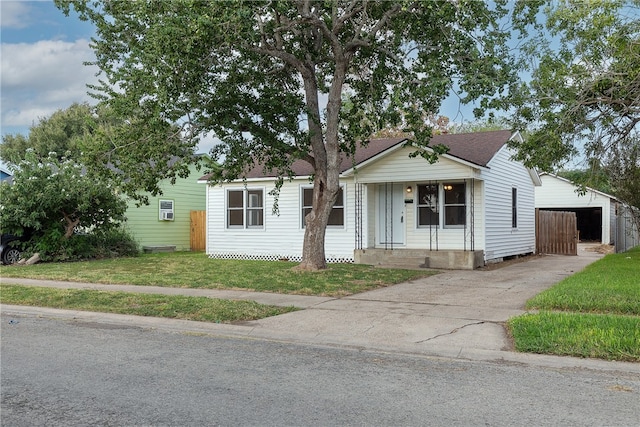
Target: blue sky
column 42, row 62
column 42, row 69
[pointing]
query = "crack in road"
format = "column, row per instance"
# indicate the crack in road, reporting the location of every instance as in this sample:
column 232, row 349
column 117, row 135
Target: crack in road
column 452, row 332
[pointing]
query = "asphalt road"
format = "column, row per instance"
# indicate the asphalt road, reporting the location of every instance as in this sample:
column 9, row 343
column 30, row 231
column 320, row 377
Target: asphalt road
column 76, row 373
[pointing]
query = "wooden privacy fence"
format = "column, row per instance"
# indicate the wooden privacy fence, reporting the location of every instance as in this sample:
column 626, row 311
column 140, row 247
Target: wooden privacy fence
column 198, row 230
column 556, row 232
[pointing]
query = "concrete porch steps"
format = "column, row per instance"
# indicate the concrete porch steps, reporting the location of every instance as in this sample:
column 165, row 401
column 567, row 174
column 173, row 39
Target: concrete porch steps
column 421, row 258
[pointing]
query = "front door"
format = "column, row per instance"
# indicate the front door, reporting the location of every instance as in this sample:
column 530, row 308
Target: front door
column 391, row 214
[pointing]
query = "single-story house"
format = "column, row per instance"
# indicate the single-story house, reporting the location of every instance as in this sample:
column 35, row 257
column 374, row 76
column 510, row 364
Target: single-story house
column 474, row 205
column 165, row 224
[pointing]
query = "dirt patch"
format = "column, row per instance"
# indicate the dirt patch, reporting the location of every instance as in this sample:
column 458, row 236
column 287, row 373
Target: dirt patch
column 601, row 249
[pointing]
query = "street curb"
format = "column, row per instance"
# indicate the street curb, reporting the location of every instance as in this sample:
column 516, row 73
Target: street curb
column 251, row 330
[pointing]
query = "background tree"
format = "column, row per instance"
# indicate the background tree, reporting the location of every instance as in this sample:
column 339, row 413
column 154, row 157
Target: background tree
column 584, row 95
column 52, row 197
column 268, row 78
column 595, row 176
column 62, row 132
column 439, row 125
column 624, row 172
column 94, row 137
column 490, row 124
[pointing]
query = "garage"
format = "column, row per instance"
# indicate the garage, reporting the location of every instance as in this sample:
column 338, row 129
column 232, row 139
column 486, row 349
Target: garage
column 595, row 211
column 589, row 222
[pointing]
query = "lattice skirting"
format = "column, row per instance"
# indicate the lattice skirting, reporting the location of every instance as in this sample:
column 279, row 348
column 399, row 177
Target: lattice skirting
column 273, row 257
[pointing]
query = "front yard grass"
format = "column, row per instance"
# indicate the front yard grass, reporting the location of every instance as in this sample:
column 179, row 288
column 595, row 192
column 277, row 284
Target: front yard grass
column 176, row 307
column 195, row 270
column 594, row 313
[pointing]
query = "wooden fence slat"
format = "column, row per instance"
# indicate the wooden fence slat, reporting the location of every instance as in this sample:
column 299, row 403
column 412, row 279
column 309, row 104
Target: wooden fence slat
column 198, row 230
column 556, row 232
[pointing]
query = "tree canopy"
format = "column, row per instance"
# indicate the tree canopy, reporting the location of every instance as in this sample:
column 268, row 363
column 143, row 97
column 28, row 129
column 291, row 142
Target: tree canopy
column 62, row 132
column 584, row 96
column 267, row 78
column 55, row 194
column 95, row 137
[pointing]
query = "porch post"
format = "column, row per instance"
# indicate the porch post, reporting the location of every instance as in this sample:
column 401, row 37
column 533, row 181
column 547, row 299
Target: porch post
column 358, row 216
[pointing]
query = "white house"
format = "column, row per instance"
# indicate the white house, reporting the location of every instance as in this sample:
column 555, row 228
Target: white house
column 473, row 205
column 596, row 212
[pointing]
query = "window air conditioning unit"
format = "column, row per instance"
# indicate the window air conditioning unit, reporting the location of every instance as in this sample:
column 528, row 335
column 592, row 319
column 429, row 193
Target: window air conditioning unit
column 166, row 210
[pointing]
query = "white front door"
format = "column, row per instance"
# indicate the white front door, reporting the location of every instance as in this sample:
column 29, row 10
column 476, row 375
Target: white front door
column 391, row 214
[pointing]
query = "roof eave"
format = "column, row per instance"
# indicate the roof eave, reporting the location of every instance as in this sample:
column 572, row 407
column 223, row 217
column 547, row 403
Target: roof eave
column 400, row 145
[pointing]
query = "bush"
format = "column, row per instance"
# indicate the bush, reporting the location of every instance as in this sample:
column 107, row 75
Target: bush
column 97, row 244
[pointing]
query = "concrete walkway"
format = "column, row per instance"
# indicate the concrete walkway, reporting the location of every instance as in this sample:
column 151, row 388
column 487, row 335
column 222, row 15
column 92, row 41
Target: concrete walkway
column 455, row 313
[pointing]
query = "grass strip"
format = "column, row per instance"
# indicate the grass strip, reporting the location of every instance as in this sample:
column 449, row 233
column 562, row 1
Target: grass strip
column 609, row 285
column 196, row 270
column 171, row 306
column 602, row 336
column 593, row 313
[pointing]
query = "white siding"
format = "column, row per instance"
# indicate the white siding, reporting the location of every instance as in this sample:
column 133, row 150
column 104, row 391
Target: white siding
column 557, row 193
column 282, row 235
column 609, row 232
column 501, row 239
column 399, row 167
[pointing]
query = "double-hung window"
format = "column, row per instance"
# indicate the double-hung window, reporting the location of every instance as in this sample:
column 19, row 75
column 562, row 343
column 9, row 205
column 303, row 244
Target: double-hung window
column 428, row 209
column 336, row 217
column 455, row 207
column 444, row 204
column 245, row 208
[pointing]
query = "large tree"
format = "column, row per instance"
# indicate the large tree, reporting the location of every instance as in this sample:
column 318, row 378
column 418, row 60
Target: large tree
column 268, row 77
column 583, row 100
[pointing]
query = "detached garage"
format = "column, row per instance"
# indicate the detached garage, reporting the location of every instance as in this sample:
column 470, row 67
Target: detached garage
column 595, row 211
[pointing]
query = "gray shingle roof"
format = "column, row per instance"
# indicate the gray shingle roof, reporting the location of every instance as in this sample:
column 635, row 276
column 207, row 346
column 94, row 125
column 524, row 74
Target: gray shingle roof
column 477, row 148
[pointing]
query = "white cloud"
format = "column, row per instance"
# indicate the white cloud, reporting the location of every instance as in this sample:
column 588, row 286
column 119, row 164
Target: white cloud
column 40, row 78
column 14, row 14
column 207, row 142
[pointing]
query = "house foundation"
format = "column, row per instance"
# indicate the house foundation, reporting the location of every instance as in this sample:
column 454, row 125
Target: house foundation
column 421, row 258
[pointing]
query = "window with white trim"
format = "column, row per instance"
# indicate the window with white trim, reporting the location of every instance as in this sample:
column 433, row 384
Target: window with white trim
column 455, row 207
column 245, row 208
column 427, row 204
column 336, row 217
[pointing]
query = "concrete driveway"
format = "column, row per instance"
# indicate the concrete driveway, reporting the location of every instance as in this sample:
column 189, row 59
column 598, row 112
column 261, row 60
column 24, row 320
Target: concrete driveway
column 454, row 313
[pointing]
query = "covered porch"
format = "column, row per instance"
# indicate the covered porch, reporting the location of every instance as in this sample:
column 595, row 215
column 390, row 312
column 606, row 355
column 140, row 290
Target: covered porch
column 423, row 224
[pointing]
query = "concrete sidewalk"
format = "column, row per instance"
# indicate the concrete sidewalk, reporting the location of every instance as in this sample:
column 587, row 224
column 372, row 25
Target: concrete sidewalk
column 455, row 313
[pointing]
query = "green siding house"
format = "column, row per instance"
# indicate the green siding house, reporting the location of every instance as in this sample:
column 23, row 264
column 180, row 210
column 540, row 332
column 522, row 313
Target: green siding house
column 166, row 221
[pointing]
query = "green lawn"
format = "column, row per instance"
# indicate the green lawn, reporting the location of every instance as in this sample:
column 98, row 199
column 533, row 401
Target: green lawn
column 190, row 270
column 195, row 270
column 174, row 306
column 594, row 313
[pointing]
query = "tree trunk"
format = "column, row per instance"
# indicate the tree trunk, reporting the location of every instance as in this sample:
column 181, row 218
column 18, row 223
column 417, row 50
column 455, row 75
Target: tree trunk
column 326, row 176
column 326, row 155
column 313, row 253
column 70, row 225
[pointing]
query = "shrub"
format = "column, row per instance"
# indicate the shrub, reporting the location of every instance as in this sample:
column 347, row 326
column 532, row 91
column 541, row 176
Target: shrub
column 96, row 244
